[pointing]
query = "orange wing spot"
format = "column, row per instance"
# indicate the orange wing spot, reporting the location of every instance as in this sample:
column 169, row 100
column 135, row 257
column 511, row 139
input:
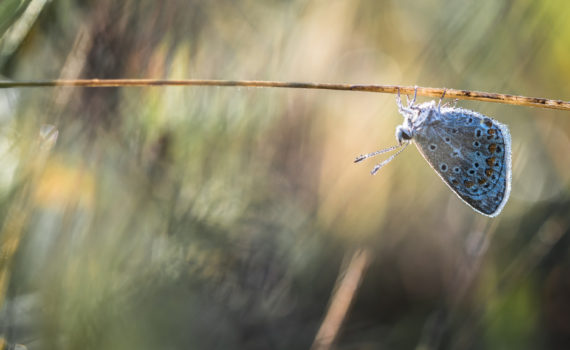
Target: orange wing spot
column 488, row 122
column 488, row 172
column 468, row 184
column 491, row 131
column 482, row 181
column 492, row 147
column 490, row 161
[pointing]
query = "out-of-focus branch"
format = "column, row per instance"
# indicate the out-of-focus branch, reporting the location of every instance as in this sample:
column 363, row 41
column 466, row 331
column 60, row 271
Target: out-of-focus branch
column 345, row 290
column 390, row 89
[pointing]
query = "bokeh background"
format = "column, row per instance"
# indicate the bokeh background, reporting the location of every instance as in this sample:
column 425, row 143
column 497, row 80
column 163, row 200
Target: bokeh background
column 223, row 218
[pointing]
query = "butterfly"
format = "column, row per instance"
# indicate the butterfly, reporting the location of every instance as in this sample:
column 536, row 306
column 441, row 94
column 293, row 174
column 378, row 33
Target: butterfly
column 468, row 150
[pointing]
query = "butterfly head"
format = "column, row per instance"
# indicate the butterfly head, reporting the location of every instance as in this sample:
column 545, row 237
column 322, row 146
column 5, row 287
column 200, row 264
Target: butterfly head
column 404, row 133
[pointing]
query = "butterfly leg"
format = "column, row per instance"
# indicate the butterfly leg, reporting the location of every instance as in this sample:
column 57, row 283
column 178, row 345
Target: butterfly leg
column 405, row 111
column 441, row 99
column 453, row 103
column 411, row 103
column 399, row 101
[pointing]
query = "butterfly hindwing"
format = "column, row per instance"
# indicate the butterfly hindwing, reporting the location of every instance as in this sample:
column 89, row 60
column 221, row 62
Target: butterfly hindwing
column 471, row 153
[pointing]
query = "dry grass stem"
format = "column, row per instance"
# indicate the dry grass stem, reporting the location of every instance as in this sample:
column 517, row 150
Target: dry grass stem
column 390, row 89
column 344, row 293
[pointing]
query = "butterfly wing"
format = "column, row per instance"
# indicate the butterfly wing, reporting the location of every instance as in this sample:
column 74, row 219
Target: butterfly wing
column 471, row 153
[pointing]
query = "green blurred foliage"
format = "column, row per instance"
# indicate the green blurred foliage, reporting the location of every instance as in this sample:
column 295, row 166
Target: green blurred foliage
column 205, row 217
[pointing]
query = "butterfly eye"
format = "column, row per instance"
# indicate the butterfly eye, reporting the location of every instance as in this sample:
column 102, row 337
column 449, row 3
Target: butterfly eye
column 403, row 133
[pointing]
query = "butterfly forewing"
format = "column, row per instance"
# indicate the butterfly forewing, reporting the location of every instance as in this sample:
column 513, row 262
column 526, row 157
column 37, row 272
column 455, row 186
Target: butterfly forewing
column 471, row 153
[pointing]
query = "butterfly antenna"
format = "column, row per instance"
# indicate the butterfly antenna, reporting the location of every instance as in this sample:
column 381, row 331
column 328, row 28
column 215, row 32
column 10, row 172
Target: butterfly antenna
column 364, row 156
column 379, row 166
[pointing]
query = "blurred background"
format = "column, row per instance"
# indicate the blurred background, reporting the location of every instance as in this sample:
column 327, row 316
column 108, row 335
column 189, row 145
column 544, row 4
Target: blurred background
column 223, row 218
